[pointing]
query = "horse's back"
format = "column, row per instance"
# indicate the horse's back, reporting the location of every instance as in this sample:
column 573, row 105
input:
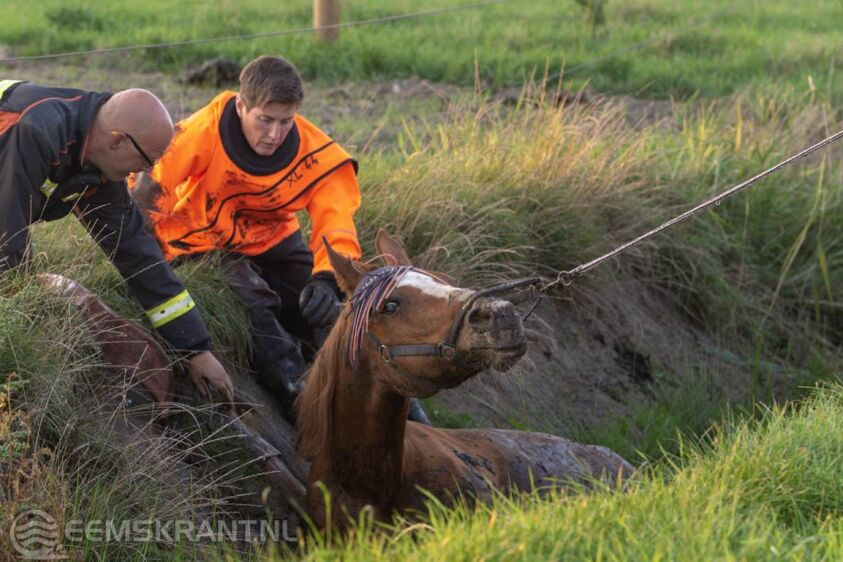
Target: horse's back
column 467, row 460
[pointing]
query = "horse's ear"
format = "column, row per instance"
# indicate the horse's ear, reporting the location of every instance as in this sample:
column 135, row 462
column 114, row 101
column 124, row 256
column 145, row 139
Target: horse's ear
column 390, row 249
column 347, row 274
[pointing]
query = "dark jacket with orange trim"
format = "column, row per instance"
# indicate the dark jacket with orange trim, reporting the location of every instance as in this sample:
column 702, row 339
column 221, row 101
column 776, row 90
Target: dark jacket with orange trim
column 211, row 191
column 42, row 178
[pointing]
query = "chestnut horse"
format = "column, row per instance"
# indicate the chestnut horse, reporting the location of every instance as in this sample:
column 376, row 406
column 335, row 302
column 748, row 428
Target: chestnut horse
column 388, row 346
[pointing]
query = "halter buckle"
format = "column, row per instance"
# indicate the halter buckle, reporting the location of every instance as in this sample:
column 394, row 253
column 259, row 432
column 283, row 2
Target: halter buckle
column 446, row 351
column 385, row 354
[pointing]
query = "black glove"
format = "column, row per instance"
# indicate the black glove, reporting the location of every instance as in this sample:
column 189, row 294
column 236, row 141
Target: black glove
column 320, row 301
column 83, row 179
column 66, row 195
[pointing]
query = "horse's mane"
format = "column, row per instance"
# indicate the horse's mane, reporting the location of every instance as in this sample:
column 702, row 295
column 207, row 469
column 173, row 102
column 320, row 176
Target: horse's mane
column 315, row 405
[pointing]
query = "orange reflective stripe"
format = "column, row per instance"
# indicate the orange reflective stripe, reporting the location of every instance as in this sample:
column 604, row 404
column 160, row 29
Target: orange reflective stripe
column 7, row 119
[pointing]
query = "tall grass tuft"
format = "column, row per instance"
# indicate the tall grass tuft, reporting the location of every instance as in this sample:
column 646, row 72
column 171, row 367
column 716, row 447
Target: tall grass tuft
column 494, row 192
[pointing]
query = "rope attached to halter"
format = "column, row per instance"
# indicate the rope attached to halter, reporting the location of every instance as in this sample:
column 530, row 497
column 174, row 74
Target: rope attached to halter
column 376, row 286
column 373, row 289
column 565, row 278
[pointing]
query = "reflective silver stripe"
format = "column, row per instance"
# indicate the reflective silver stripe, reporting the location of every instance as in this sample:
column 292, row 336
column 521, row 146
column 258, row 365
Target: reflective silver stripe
column 4, row 85
column 171, row 309
column 49, row 187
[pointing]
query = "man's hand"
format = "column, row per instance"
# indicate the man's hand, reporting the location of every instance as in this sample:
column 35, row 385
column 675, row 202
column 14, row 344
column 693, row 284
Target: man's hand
column 205, row 369
column 319, row 302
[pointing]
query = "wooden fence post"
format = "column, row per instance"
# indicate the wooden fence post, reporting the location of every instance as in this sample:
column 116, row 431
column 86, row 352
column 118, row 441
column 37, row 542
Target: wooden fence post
column 326, row 12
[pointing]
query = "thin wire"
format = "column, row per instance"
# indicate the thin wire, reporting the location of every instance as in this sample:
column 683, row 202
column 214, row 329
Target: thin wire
column 357, row 23
column 566, row 277
column 384, row 19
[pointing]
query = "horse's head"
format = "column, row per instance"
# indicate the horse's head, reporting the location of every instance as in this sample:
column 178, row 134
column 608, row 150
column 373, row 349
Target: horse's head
column 423, row 333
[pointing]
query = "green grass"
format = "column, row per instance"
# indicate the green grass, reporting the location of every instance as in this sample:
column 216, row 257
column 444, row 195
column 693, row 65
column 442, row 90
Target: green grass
column 487, row 193
column 684, row 406
column 441, row 416
column 651, row 48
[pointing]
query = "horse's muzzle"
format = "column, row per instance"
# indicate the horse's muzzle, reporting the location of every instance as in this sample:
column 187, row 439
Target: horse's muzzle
column 496, row 333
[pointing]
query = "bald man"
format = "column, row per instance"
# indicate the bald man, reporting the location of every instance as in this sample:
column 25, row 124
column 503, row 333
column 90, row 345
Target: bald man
column 68, row 151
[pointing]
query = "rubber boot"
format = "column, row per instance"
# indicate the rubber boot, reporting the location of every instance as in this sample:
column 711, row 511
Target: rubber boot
column 283, row 376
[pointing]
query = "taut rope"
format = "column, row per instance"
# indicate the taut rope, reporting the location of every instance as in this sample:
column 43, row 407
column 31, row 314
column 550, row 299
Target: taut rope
column 567, row 277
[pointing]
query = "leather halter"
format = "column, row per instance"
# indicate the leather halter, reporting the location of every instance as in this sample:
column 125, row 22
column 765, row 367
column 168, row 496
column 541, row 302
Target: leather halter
column 445, row 349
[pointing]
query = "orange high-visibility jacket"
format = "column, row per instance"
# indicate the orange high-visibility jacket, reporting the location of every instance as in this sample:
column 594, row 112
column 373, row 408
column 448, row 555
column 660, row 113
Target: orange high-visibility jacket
column 217, row 194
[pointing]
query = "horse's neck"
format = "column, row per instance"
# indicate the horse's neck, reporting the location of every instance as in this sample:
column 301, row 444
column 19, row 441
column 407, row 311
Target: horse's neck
column 367, row 445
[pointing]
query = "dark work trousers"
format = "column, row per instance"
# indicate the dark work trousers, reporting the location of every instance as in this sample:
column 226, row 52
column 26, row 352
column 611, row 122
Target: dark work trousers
column 269, row 285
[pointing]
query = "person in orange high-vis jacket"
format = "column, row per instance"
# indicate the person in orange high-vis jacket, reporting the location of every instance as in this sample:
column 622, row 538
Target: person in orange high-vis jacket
column 233, row 178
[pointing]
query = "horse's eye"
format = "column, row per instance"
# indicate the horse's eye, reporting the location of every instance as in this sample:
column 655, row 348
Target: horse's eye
column 389, row 307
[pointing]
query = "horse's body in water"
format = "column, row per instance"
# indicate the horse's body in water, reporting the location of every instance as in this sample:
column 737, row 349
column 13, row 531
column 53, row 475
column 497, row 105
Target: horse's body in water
column 352, row 413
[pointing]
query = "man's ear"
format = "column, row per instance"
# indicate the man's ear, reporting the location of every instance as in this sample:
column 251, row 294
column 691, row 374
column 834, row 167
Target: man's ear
column 239, row 106
column 116, row 141
column 390, row 250
column 348, row 275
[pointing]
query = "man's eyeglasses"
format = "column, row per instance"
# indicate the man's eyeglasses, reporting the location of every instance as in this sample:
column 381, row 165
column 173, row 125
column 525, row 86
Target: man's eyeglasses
column 137, row 146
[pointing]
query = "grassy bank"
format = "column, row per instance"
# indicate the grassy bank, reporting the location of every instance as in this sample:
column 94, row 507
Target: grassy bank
column 651, row 48
column 492, row 193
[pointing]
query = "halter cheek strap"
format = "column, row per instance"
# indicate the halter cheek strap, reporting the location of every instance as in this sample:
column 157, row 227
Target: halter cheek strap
column 388, row 354
column 441, row 350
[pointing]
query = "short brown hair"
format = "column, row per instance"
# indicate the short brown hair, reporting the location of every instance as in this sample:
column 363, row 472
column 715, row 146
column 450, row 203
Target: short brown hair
column 270, row 79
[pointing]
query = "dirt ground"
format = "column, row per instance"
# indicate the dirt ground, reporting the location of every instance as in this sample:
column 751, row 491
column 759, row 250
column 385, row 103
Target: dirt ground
column 361, row 116
column 594, row 354
column 590, row 360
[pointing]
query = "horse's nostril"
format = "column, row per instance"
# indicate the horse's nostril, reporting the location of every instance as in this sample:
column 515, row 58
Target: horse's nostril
column 480, row 316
